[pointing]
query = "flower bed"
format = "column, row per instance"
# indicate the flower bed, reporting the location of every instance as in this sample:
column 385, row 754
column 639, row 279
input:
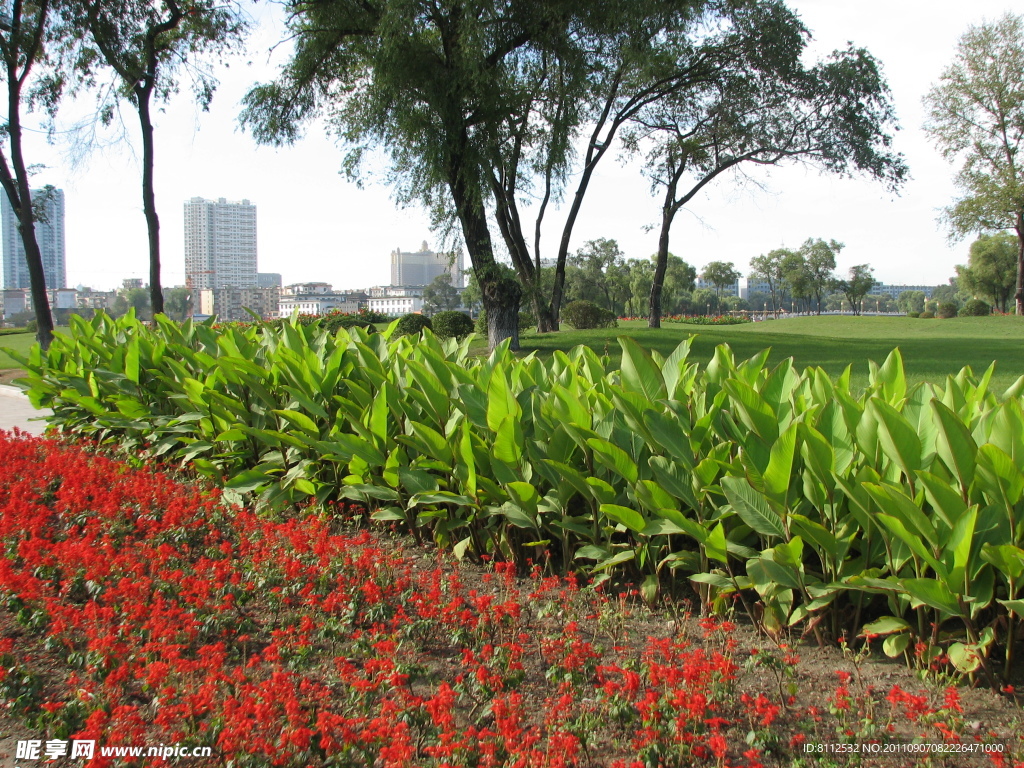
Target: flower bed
column 143, row 611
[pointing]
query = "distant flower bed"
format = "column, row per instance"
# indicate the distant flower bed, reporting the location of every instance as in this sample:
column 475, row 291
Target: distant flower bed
column 707, row 319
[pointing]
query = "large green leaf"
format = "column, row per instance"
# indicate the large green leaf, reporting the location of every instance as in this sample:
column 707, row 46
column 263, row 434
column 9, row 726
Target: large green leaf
column 639, row 372
column 752, row 507
column 614, row 458
column 630, row 518
column 898, row 438
column 955, row 445
column 933, row 593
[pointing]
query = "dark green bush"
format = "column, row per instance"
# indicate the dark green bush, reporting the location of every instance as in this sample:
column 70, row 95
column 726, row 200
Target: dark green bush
column 947, row 309
column 975, row 308
column 412, row 324
column 451, row 324
column 31, row 326
column 584, row 315
column 913, row 314
column 929, row 315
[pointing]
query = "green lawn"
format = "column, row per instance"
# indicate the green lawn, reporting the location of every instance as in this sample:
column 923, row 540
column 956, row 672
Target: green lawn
column 931, row 349
column 19, row 342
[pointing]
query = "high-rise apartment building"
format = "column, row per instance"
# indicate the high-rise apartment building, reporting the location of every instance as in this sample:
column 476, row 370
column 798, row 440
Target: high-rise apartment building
column 422, row 266
column 49, row 234
column 220, row 244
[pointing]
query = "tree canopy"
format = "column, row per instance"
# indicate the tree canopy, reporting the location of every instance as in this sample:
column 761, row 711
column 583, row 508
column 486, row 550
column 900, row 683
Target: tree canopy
column 992, row 268
column 976, row 117
column 145, row 43
column 856, row 285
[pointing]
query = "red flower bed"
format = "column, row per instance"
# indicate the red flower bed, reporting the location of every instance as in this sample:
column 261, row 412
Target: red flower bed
column 144, row 611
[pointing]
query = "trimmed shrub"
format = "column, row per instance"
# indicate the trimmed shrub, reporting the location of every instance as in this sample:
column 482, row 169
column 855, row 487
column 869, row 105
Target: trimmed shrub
column 929, row 315
column 451, row 324
column 584, row 315
column 913, row 314
column 947, row 309
column 412, row 324
column 975, row 308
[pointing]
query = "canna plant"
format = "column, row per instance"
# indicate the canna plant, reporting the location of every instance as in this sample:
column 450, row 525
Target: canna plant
column 896, row 511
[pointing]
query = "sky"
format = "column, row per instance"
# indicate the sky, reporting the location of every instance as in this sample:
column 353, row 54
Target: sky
column 314, row 224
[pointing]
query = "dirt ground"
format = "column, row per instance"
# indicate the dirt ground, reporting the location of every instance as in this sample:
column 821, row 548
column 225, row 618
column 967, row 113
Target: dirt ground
column 7, row 375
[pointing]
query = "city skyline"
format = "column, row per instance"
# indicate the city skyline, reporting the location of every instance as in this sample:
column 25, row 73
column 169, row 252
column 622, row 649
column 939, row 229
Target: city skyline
column 337, row 232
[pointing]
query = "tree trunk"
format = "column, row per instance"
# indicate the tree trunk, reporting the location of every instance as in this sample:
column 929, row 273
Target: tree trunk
column 500, row 293
column 156, row 296
column 660, row 268
column 20, row 196
column 1019, row 295
column 501, row 300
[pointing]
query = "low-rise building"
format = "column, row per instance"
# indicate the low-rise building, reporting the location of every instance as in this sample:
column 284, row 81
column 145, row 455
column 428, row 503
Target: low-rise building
column 13, row 301
column 230, row 304
column 318, row 299
column 395, row 306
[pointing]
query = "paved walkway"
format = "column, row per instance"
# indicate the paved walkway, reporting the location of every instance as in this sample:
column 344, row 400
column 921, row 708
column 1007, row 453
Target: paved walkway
column 17, row 411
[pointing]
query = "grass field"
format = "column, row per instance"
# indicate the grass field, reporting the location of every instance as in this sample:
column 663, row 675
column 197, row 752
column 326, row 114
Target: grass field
column 19, row 342
column 932, row 349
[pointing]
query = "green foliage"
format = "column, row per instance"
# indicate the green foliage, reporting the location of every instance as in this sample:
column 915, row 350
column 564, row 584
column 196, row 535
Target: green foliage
column 913, row 314
column 784, row 488
column 441, row 295
column 976, row 117
column 946, row 310
column 911, row 301
column 451, row 325
column 721, row 274
column 975, row 308
column 992, row 270
column 859, row 281
column 583, row 315
column 412, row 324
column 927, row 315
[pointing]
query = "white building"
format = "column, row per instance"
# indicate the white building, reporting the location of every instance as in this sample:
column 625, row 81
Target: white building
column 220, row 244
column 394, row 306
column 49, row 234
column 318, row 299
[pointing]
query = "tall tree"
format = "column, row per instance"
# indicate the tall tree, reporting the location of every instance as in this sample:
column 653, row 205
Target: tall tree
column 911, row 301
column 622, row 60
column 597, row 270
column 991, row 269
column 146, row 43
column 441, row 295
column 976, row 117
column 857, row 284
column 769, row 267
column 820, row 258
column 761, row 105
column 31, row 29
column 448, row 89
column 797, row 277
column 720, row 274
